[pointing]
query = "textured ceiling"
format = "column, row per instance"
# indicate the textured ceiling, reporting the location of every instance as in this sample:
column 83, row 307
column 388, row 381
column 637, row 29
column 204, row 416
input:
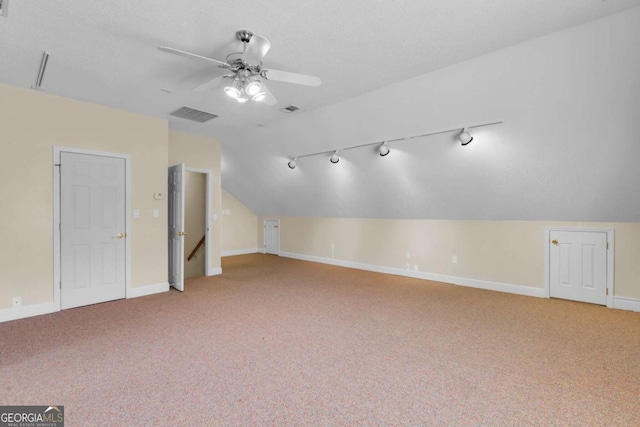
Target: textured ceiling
column 105, row 52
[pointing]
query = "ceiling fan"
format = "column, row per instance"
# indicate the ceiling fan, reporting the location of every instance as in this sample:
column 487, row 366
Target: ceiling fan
column 246, row 78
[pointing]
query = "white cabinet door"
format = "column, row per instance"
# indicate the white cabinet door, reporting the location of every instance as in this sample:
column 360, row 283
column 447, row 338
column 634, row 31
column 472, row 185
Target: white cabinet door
column 92, row 229
column 578, row 266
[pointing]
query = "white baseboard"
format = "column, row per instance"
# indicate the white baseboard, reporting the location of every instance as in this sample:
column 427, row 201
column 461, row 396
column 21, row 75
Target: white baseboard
column 461, row 281
column 626, row 304
column 262, row 250
column 8, row 314
column 214, row 271
column 240, row 252
column 141, row 291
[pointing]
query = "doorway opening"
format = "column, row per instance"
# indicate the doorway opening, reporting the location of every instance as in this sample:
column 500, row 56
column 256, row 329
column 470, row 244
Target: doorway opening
column 195, row 224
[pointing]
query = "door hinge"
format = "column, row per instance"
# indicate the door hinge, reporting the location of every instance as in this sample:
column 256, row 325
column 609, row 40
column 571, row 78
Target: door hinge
column 607, row 291
column 607, row 245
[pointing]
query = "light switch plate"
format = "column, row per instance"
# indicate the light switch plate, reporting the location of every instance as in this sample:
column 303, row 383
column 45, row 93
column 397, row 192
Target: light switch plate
column 136, row 213
column 156, row 213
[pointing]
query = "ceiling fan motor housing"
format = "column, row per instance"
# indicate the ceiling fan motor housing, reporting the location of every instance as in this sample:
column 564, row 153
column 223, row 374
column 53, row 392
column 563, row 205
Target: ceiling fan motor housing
column 244, row 35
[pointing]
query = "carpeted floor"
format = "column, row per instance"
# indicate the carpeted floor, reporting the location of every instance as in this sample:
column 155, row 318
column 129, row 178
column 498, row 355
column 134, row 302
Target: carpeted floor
column 275, row 341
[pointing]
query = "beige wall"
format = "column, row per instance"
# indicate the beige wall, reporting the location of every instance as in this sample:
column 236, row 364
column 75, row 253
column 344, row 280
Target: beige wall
column 509, row 252
column 239, row 225
column 31, row 124
column 194, row 223
column 202, row 153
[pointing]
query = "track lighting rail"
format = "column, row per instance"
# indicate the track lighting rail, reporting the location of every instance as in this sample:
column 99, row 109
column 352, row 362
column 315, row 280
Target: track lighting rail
column 464, row 137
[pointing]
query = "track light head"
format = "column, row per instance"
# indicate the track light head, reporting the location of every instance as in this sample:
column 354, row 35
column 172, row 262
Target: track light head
column 335, row 158
column 465, row 137
column 384, row 149
column 292, row 163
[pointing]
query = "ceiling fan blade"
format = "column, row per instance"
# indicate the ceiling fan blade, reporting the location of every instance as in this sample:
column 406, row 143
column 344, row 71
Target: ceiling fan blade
column 211, row 84
column 269, row 99
column 287, row 77
column 255, row 50
column 191, row 55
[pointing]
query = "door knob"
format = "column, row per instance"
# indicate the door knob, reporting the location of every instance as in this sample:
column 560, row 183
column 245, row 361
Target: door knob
column 554, row 241
column 181, row 233
column 119, row 236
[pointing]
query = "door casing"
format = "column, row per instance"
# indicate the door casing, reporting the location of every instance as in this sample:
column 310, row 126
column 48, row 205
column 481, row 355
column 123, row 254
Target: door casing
column 209, row 270
column 56, row 216
column 610, row 257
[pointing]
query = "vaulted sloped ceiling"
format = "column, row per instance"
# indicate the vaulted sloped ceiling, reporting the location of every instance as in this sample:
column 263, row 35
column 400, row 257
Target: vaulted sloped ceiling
column 389, row 69
column 567, row 148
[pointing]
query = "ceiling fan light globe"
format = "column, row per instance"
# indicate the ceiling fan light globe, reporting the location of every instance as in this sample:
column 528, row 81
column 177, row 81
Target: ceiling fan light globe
column 232, row 92
column 384, row 150
column 253, row 88
column 259, row 96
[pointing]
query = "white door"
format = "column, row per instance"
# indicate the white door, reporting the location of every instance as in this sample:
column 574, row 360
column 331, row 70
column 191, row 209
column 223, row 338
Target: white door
column 92, row 229
column 578, row 266
column 176, row 226
column 272, row 236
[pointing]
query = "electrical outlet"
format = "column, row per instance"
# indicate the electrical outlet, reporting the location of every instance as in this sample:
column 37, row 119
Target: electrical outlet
column 333, row 246
column 17, row 302
column 407, row 255
column 454, row 259
column 407, row 266
column 415, row 267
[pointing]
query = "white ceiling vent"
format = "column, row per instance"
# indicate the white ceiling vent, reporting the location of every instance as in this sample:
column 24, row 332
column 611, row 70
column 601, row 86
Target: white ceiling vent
column 4, row 7
column 192, row 114
column 289, row 109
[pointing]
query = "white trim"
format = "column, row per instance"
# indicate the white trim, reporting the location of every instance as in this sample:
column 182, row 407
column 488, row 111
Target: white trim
column 610, row 258
column 240, row 252
column 461, row 281
column 56, row 215
column 209, row 270
column 626, row 304
column 216, row 271
column 264, row 227
column 141, row 291
column 8, row 314
column 262, row 251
